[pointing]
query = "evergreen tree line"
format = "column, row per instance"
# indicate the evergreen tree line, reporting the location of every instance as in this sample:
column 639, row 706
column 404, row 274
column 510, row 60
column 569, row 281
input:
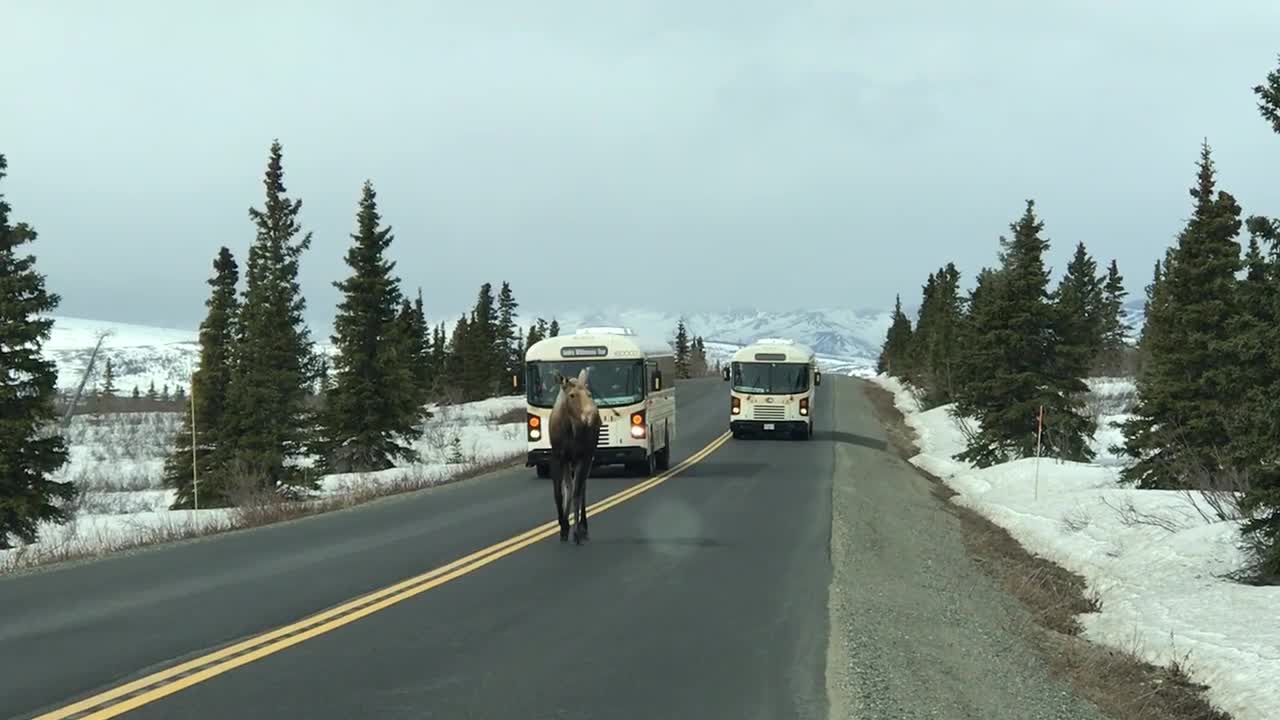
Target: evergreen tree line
column 1208, row 377
column 105, row 397
column 1209, row 389
column 266, row 400
column 1013, row 345
column 690, row 353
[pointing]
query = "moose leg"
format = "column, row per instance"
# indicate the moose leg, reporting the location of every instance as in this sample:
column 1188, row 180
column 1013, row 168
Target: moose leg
column 558, row 468
column 580, row 499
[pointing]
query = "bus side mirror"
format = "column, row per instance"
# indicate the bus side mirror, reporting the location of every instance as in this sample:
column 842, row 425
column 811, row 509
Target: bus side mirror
column 817, row 378
column 725, row 373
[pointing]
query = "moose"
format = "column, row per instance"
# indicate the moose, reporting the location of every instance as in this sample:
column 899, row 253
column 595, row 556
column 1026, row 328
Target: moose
column 574, row 431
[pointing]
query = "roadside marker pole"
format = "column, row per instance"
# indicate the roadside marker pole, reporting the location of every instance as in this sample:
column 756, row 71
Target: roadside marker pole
column 1039, row 433
column 195, row 479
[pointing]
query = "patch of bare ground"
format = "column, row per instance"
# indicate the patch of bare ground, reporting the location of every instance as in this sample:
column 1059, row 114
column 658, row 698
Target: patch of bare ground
column 1117, row 682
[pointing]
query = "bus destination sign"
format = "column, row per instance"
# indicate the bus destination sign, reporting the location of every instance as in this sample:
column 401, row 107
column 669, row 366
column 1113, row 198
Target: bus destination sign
column 580, row 351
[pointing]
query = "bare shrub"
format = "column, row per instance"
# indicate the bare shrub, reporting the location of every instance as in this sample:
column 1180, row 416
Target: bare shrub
column 515, row 415
column 1173, row 519
column 1076, row 520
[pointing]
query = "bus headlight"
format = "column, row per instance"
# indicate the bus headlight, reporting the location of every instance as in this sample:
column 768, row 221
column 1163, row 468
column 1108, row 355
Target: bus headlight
column 804, row 406
column 637, row 425
column 735, row 406
column 535, row 427
column 535, row 434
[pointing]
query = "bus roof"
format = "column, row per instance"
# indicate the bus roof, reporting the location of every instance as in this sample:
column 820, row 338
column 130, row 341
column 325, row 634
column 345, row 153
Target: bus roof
column 775, row 350
column 592, row 342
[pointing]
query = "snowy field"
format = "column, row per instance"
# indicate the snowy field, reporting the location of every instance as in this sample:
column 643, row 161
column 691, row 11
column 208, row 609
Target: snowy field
column 1155, row 559
column 118, row 464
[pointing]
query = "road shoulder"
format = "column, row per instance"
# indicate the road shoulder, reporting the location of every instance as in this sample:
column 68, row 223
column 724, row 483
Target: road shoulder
column 1049, row 600
column 917, row 630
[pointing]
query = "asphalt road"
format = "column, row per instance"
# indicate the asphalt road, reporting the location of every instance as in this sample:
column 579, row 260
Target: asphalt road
column 710, row 594
column 705, row 596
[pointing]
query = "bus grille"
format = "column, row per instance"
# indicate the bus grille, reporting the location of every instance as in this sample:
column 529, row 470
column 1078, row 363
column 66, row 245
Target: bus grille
column 604, row 435
column 769, row 412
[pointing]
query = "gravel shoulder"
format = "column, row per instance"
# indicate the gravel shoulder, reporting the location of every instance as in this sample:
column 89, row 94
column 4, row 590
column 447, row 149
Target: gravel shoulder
column 917, row 630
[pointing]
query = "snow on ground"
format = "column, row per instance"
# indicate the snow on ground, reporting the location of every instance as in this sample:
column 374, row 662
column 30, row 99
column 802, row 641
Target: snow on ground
column 118, row 462
column 1155, row 559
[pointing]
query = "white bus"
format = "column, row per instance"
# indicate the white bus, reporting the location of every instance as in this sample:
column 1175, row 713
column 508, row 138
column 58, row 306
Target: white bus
column 772, row 388
column 633, row 383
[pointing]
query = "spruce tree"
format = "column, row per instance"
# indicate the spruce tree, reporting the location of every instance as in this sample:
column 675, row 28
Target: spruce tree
column 681, row 347
column 933, row 351
column 1177, row 437
column 1269, row 99
column 554, row 329
column 164, row 393
column 973, row 365
column 697, row 357
column 209, row 384
column 536, row 335
column 482, row 364
column 508, row 338
column 917, row 366
column 1079, row 308
column 137, row 393
column 1113, row 327
column 152, row 395
column 456, row 356
column 324, row 376
column 1261, row 501
column 179, row 393
column 371, row 413
column 104, row 395
column 422, row 349
column 894, row 354
column 1015, row 335
column 267, row 416
column 29, row 452
column 439, row 358
column 108, row 390
column 1153, row 311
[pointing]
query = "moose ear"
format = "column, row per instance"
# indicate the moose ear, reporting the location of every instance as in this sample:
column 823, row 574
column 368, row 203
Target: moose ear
column 582, row 376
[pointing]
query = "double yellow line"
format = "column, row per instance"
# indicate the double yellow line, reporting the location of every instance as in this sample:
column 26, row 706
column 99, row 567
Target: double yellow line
column 146, row 690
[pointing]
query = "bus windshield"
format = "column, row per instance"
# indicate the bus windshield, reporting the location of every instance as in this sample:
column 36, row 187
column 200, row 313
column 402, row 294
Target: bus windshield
column 613, row 382
column 770, row 378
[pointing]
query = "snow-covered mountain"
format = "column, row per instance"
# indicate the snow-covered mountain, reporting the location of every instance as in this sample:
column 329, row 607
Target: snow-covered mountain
column 846, row 340
column 140, row 355
column 833, row 332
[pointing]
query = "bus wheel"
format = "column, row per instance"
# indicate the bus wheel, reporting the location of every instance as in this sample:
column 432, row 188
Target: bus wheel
column 664, row 455
column 544, row 470
column 644, row 468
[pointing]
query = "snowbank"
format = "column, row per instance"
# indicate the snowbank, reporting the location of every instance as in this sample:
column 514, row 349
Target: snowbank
column 1152, row 558
column 118, row 462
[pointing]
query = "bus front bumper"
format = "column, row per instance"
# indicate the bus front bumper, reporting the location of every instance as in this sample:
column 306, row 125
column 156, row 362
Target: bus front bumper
column 767, row 426
column 603, row 456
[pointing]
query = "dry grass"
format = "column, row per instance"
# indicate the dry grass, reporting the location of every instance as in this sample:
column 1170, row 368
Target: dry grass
column 1118, row 682
column 255, row 509
column 258, row 508
column 85, row 545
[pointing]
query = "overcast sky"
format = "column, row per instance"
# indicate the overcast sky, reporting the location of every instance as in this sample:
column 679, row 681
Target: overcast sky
column 675, row 155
